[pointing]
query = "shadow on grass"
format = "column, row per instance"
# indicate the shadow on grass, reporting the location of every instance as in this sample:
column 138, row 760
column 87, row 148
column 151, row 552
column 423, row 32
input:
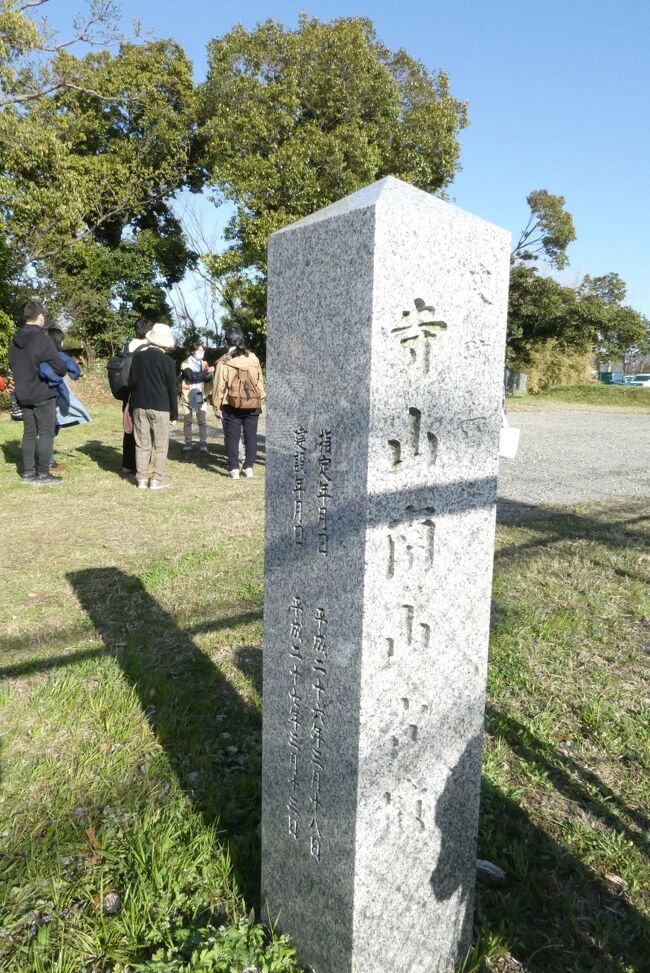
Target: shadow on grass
column 191, row 706
column 106, row 457
column 557, row 524
column 556, row 915
column 570, row 778
column 13, row 453
column 109, row 459
column 217, row 458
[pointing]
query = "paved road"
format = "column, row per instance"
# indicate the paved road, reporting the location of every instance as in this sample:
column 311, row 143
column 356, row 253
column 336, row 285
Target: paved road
column 573, row 455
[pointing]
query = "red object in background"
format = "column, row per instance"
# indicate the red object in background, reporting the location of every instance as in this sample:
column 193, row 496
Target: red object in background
column 2, row 384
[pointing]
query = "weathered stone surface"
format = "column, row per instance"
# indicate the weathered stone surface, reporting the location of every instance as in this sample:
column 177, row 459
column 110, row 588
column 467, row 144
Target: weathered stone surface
column 385, row 368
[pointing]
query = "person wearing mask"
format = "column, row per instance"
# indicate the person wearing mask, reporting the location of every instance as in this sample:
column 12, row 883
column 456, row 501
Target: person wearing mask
column 195, row 375
column 154, row 406
column 237, row 399
column 31, row 347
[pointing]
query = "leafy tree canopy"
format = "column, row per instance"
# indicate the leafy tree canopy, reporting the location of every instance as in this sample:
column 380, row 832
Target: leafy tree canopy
column 590, row 316
column 621, row 333
column 26, row 47
column 291, row 120
column 610, row 288
column 540, row 308
column 549, row 230
column 90, row 158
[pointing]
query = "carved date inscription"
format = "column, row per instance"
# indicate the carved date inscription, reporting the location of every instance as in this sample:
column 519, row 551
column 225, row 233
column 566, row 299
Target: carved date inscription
column 307, row 723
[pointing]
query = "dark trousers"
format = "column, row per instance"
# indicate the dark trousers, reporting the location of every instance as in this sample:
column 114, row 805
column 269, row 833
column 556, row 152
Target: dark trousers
column 128, row 446
column 233, row 421
column 38, row 435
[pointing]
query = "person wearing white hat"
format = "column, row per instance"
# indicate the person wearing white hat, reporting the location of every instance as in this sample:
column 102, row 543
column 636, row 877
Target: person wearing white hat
column 154, row 402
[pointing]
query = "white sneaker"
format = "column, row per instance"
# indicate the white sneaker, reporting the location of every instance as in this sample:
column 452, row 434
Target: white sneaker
column 233, row 474
column 143, row 484
column 187, row 447
column 247, row 473
column 203, row 449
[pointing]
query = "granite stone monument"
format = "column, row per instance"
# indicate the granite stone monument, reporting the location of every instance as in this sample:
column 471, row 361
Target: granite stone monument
column 386, row 336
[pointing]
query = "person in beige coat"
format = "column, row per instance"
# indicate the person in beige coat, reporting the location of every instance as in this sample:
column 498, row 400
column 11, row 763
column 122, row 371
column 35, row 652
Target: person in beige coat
column 237, row 398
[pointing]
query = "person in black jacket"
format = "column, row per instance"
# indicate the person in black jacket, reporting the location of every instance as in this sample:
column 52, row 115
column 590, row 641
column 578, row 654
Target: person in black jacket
column 30, row 347
column 142, row 325
column 154, row 405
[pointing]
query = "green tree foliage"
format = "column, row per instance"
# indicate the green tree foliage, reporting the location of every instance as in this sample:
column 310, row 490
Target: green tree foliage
column 548, row 232
column 589, row 317
column 25, row 47
column 621, row 333
column 11, row 295
column 292, row 120
column 6, row 331
column 540, row 308
column 610, row 288
column 92, row 152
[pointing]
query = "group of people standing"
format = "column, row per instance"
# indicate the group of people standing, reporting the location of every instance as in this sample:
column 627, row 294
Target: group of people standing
column 234, row 387
column 151, row 398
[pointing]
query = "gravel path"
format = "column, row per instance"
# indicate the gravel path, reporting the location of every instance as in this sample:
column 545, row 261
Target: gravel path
column 567, row 456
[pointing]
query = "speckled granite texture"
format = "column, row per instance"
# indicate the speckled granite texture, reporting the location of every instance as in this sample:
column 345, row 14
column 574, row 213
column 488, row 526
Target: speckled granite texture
column 387, row 316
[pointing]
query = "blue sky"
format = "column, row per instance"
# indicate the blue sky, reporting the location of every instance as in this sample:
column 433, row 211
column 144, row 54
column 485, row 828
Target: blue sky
column 558, row 94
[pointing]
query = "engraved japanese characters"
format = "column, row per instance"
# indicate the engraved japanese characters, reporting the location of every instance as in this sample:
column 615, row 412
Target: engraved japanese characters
column 386, row 341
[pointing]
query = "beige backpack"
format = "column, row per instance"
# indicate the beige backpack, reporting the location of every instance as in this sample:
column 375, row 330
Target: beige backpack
column 243, row 390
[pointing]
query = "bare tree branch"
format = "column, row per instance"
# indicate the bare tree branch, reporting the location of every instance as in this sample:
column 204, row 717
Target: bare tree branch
column 527, row 232
column 30, row 96
column 161, row 193
column 89, row 32
column 33, row 3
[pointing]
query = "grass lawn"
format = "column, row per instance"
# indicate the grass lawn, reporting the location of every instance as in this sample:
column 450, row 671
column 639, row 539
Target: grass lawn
column 593, row 394
column 130, row 714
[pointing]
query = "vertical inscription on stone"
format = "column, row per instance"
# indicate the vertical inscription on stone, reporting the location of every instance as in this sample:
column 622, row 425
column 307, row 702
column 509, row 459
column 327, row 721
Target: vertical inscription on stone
column 319, row 671
column 324, row 487
column 307, row 703
column 296, row 675
column 300, row 448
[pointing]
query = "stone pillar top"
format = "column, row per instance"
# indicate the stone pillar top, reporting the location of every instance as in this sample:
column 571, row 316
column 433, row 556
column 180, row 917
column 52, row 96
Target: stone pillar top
column 388, row 191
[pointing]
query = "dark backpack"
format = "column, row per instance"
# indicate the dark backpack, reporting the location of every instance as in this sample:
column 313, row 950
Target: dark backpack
column 118, row 369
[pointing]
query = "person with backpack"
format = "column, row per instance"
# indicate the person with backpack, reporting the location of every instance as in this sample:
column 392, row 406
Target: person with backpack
column 119, row 367
column 237, row 399
column 30, row 347
column 195, row 375
column 154, row 404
